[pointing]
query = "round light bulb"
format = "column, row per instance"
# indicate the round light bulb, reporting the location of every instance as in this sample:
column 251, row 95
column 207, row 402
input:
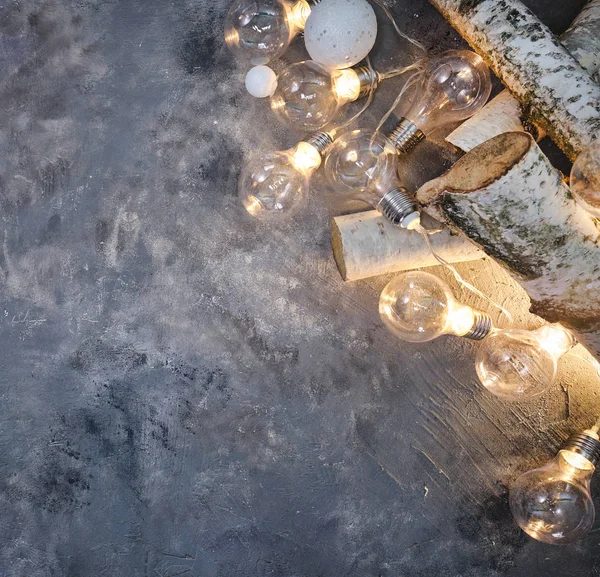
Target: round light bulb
column 358, row 164
column 363, row 166
column 419, row 307
column 452, row 87
column 258, row 31
column 553, row 503
column 340, row 33
column 308, row 95
column 520, row 365
column 261, row 81
column 585, row 179
column 275, row 186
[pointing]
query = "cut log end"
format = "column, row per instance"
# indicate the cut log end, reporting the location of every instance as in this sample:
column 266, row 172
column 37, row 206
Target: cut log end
column 337, row 244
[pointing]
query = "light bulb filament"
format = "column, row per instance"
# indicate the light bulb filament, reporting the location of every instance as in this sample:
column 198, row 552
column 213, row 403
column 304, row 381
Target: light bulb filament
column 305, row 158
column 346, row 85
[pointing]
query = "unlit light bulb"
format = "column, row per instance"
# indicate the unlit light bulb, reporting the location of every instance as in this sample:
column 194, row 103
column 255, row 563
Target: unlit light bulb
column 521, row 365
column 553, row 503
column 340, row 33
column 363, row 166
column 585, row 179
column 258, row 31
column 308, row 96
column 419, row 307
column 453, row 87
column 275, row 185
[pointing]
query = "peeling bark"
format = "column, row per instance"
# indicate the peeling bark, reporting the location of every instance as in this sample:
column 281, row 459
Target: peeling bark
column 554, row 89
column 506, row 197
column 505, row 114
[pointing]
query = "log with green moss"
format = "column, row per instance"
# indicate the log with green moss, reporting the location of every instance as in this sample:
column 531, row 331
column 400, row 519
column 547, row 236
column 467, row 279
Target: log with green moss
column 508, row 199
column 554, row 89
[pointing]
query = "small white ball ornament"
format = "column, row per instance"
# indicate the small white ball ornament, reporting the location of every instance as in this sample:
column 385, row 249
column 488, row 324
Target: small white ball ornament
column 261, row 81
column 340, row 33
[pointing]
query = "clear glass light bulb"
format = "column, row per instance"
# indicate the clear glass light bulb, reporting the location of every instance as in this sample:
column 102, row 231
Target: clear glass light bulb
column 419, row 307
column 363, row 166
column 453, row 87
column 585, row 179
column 308, row 95
column 275, row 185
column 520, row 365
column 553, row 503
column 258, row 31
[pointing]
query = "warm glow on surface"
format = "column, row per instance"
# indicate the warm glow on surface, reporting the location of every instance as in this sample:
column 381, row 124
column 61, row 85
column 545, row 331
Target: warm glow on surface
column 346, row 85
column 298, row 15
column 461, row 320
column 232, row 37
column 305, row 158
column 577, row 461
column 555, row 339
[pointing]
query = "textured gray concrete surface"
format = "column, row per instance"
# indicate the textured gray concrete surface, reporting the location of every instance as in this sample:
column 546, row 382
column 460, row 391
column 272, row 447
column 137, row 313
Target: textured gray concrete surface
column 185, row 391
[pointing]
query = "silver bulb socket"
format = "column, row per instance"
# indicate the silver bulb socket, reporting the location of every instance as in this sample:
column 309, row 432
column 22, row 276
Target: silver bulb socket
column 320, row 140
column 406, row 136
column 313, row 2
column 369, row 80
column 586, row 446
column 481, row 328
column 397, row 205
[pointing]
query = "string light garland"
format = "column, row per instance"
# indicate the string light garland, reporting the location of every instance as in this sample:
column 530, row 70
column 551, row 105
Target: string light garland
column 553, row 503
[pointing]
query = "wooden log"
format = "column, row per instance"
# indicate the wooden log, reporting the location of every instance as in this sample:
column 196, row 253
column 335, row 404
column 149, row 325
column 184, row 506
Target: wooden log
column 555, row 91
column 505, row 114
column 506, row 197
column 366, row 244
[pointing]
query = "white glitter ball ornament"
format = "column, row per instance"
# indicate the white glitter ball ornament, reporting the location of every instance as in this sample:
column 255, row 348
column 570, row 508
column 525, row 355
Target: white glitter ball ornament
column 340, row 33
column 261, row 81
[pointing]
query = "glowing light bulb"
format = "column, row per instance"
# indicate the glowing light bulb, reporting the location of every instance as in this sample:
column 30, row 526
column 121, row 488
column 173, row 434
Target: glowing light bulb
column 520, row 365
column 585, row 179
column 258, row 31
column 453, row 87
column 553, row 503
column 419, row 307
column 340, row 33
column 363, row 166
column 275, row 186
column 308, row 95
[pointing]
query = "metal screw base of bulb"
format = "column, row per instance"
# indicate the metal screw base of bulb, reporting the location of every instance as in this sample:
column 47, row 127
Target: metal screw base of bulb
column 396, row 205
column 369, row 80
column 313, row 2
column 406, row 136
column 320, row 140
column 586, row 446
column 481, row 328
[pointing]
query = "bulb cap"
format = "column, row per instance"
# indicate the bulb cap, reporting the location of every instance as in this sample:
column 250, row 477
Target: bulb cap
column 397, row 206
column 406, row 136
column 369, row 80
column 481, row 328
column 320, row 140
column 586, row 446
column 313, row 2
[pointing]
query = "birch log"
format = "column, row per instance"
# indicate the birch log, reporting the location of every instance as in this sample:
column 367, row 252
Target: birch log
column 507, row 198
column 366, row 244
column 504, row 113
column 556, row 92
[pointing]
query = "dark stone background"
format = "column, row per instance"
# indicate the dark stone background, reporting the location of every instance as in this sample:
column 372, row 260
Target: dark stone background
column 186, row 391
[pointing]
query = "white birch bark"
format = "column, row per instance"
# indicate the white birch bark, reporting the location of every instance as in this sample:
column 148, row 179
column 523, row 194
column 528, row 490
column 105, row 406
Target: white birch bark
column 366, row 245
column 506, row 197
column 504, row 113
column 555, row 91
